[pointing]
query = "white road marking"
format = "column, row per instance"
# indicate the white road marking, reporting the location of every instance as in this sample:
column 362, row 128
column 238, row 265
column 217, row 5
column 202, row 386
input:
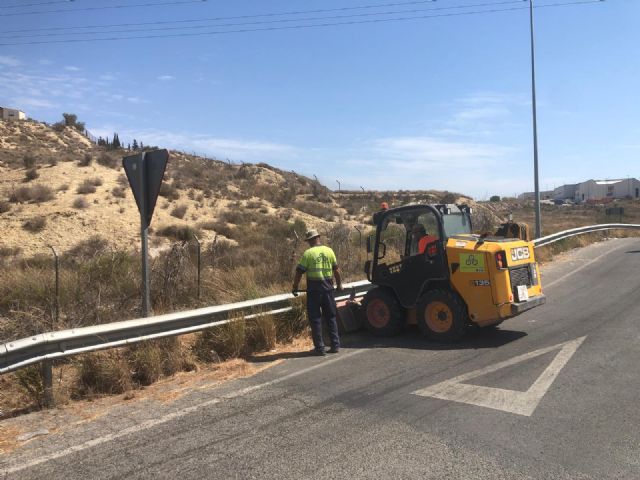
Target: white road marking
column 584, row 265
column 172, row 416
column 512, row 401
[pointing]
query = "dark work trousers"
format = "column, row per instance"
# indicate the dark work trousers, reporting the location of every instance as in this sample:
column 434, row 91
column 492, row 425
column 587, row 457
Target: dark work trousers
column 321, row 305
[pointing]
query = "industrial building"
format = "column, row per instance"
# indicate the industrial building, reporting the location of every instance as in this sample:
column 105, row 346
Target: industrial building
column 591, row 191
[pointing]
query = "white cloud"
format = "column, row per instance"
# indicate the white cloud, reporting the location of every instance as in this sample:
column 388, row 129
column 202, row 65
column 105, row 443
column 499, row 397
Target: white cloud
column 72, row 68
column 7, row 61
column 23, row 102
column 219, row 147
column 166, row 78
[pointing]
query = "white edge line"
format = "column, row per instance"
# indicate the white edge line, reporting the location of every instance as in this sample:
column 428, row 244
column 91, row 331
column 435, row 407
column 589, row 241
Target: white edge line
column 172, row 416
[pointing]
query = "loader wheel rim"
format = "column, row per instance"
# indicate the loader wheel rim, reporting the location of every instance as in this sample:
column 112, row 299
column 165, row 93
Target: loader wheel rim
column 438, row 317
column 378, row 313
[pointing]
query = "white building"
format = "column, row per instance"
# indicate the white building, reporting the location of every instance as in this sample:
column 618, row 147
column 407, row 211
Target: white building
column 605, row 190
column 565, row 192
column 544, row 195
column 11, row 114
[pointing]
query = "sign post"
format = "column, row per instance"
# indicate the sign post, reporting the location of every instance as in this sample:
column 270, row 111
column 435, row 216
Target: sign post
column 145, row 171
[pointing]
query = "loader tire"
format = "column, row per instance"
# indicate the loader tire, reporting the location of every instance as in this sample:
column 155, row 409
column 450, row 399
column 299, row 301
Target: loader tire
column 384, row 316
column 442, row 315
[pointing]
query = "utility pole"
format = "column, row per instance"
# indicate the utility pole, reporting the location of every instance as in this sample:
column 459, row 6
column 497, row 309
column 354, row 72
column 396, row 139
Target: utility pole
column 538, row 232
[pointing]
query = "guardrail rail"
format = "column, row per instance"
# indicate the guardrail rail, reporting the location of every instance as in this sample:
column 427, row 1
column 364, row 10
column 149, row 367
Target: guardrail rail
column 49, row 346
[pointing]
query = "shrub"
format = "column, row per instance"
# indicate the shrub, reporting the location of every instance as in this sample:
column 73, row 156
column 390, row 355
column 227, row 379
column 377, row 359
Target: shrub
column 107, row 160
column 63, row 188
column 494, row 198
column 103, row 372
column 86, row 160
column 29, row 161
column 53, row 161
column 86, row 187
column 209, row 225
column 293, row 323
column 89, row 185
column 262, row 333
column 183, row 233
column 37, row 194
column 31, row 174
column 30, row 380
column 122, row 180
column 118, row 192
column 169, row 191
column 179, row 211
column 80, row 203
column 146, row 363
column 35, row 224
column 4, row 206
column 222, row 342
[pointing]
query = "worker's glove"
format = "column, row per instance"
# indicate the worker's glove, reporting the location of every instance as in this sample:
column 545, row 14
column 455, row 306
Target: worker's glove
column 294, row 292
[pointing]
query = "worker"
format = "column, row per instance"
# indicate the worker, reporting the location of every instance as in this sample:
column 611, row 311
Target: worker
column 420, row 239
column 319, row 263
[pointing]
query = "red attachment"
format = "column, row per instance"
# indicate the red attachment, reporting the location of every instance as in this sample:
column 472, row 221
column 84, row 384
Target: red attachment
column 432, row 250
column 501, row 260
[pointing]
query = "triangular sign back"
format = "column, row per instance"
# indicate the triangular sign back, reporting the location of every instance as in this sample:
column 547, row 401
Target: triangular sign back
column 145, row 172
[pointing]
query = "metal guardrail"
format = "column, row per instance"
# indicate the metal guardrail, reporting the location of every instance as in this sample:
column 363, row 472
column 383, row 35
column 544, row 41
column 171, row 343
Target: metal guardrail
column 64, row 343
column 549, row 239
column 52, row 345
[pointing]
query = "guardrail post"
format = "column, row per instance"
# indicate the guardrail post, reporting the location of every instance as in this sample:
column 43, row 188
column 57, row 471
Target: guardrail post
column 199, row 262
column 57, row 291
column 47, row 382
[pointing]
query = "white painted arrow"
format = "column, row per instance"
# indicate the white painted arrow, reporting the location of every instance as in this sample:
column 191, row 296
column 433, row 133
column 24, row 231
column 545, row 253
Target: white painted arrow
column 513, row 401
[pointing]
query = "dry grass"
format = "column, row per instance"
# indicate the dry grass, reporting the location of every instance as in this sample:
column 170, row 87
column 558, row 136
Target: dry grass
column 179, row 211
column 118, row 192
column 89, row 185
column 35, row 224
column 80, row 203
column 31, row 174
column 36, row 194
column 103, row 372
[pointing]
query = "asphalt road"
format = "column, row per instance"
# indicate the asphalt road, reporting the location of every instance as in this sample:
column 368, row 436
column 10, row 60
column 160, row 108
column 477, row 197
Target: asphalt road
column 512, row 407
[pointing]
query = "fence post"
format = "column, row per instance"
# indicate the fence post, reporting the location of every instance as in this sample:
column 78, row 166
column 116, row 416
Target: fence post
column 56, row 317
column 47, row 382
column 199, row 263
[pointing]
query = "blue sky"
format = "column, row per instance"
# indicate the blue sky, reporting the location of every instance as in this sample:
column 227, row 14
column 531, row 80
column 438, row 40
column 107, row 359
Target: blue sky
column 432, row 103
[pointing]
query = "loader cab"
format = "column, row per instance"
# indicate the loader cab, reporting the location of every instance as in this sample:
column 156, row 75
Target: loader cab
column 409, row 247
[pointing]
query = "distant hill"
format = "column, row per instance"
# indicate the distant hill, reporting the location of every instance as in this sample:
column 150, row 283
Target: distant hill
column 58, row 188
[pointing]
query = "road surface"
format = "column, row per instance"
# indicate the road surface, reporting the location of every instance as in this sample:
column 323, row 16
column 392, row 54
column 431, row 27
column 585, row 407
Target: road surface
column 553, row 393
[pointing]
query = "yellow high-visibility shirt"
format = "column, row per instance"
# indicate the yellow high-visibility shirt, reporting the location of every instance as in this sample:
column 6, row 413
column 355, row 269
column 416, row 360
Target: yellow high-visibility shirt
column 318, row 263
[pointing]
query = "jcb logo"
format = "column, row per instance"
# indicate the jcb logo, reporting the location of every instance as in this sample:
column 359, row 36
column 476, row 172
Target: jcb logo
column 520, row 253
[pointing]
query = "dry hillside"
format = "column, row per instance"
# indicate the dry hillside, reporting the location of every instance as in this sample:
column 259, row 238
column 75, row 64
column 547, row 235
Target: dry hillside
column 58, row 188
